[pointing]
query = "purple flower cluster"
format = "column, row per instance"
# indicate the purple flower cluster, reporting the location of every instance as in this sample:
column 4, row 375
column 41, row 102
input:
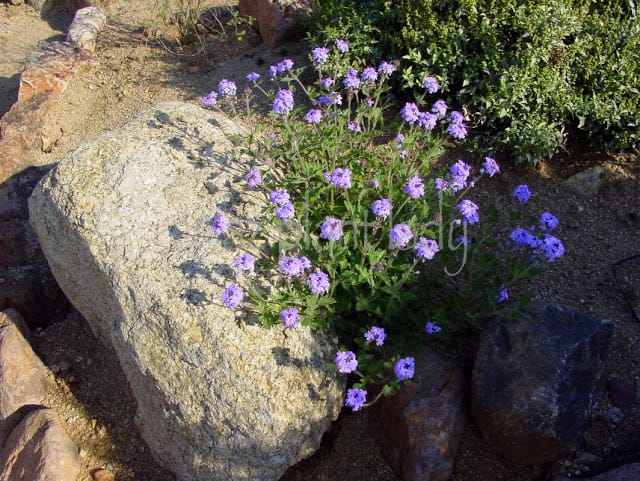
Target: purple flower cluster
column 356, row 398
column 280, row 68
column 469, row 211
column 342, row 46
column 246, row 262
column 327, row 82
column 318, row 282
column 294, row 266
column 252, row 77
column 414, row 187
column 354, row 126
column 427, row 120
column 331, row 229
column 381, row 208
column 426, row 249
column 369, row 75
column 283, row 103
column 253, row 178
column 210, row 99
column 232, row 296
column 457, row 177
column 313, row 116
column 440, row 108
column 431, row 85
column 346, row 362
column 404, row 368
column 219, row 224
column 410, row 113
column 286, row 211
column 400, row 235
column 290, row 317
column 503, row 294
column 319, row 55
column 226, row 88
column 375, row 334
column 339, row 177
column 522, row 194
column 351, row 80
column 457, row 128
column 432, row 328
column 489, row 167
column 549, row 247
column 284, row 208
column 548, row 221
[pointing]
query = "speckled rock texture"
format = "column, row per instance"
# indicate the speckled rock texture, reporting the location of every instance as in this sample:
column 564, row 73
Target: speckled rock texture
column 124, row 224
column 536, row 380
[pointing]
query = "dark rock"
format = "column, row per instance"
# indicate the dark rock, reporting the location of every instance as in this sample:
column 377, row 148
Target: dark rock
column 536, row 380
column 622, row 393
column 627, row 472
column 419, row 429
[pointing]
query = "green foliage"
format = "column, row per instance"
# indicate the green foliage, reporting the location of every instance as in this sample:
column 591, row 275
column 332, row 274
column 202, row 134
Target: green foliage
column 528, row 71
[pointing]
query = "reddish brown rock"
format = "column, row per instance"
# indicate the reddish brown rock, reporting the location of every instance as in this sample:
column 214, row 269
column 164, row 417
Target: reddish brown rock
column 22, row 374
column 38, row 449
column 419, row 429
column 277, row 20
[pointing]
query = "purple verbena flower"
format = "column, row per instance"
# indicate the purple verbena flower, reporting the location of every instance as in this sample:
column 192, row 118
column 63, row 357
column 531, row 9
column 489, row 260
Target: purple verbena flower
column 552, row 248
column 290, row 266
column 469, row 211
column 285, row 211
column 400, row 235
column 431, row 85
column 339, row 177
column 522, row 193
column 290, row 317
column 410, row 113
column 503, row 294
column 226, row 88
column 456, row 117
column 356, row 398
column 319, row 55
column 548, row 221
column 427, row 120
column 399, row 140
column 426, row 249
column 351, row 80
column 252, row 77
column 219, row 224
column 432, row 328
column 346, row 362
column 414, row 187
column 522, row 237
column 331, row 229
column 459, row 173
column 232, row 296
column 376, row 334
column 283, row 103
column 369, row 74
column 284, row 66
column 318, row 282
column 305, row 263
column 404, row 368
column 386, row 68
column 381, row 208
column 210, row 99
column 253, row 178
column 354, row 126
column 313, row 116
column 327, row 82
column 440, row 184
column 440, row 108
column 245, row 262
column 489, row 167
column 457, row 131
column 342, row 46
column 279, row 197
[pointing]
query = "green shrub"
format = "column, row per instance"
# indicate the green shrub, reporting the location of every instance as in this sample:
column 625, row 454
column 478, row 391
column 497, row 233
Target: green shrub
column 527, row 71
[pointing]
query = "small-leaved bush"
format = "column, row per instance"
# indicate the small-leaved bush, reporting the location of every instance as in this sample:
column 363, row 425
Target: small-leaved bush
column 372, row 243
column 528, row 71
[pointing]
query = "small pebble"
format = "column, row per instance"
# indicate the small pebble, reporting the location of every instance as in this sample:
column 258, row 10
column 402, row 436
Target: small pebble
column 615, row 415
column 103, row 475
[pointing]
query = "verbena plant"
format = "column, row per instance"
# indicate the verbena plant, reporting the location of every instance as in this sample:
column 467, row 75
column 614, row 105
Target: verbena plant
column 376, row 246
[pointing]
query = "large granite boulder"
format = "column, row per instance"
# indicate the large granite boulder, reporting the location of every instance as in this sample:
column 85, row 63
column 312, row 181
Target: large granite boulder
column 124, row 223
column 420, row 428
column 536, row 380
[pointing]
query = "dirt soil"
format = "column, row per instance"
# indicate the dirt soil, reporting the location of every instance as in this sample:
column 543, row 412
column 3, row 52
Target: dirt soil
column 140, row 64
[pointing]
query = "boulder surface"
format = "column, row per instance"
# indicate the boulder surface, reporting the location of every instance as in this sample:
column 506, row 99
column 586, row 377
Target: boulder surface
column 536, row 380
column 124, row 224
